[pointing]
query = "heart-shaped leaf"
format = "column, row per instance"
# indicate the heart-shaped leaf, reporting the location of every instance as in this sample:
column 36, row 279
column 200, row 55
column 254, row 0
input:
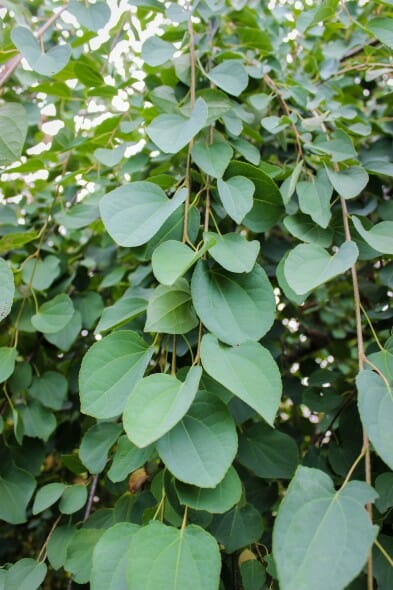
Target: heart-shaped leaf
column 311, row 515
column 236, row 195
column 134, row 212
column 246, row 302
column 47, row 64
column 349, row 182
column 170, row 309
column 157, row 403
column 92, row 16
column 109, row 371
column 375, row 402
column 247, row 370
column 156, row 51
column 230, row 75
column 172, row 132
column 200, row 449
column 379, row 237
column 308, row 265
column 213, row 158
column 53, row 315
column 188, row 559
column 233, row 252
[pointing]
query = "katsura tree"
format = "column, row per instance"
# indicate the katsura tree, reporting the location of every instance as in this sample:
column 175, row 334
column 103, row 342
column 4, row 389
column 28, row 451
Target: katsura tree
column 196, row 358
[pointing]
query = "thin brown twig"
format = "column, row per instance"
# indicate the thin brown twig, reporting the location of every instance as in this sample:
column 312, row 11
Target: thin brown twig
column 271, row 83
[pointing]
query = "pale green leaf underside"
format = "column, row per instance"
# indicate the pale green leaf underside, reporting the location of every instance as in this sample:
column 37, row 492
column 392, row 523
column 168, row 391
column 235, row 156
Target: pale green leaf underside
column 53, row 315
column 308, row 265
column 134, row 212
column 321, row 538
column 375, row 402
column 248, row 370
column 170, row 309
column 233, row 252
column 379, row 237
column 171, row 133
column 7, row 289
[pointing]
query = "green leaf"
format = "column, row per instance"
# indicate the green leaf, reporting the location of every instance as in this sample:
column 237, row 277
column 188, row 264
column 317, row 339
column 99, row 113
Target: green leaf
column 268, row 453
column 309, row 265
column 233, row 252
column 170, row 309
column 25, row 574
column 171, row 260
column 110, row 157
column 349, row 182
column 200, row 449
column 382, row 28
column 303, row 228
column 375, row 402
column 92, row 16
column 13, row 131
column 379, row 237
column 157, row 403
column 236, row 196
column 53, row 315
column 41, row 273
column 171, row 133
column 38, row 422
column 289, row 185
column 314, row 198
column 238, row 528
column 127, row 458
column 109, row 371
column 96, row 444
column 50, row 389
column 253, row 575
column 16, row 489
column 80, row 553
column 321, row 538
column 268, row 206
column 14, row 241
column 46, row 64
column 134, row 212
column 246, row 303
column 65, row 337
column 384, row 488
column 230, row 75
column 249, row 151
column 112, row 548
column 248, row 371
column 283, row 284
column 57, row 545
column 7, row 362
column 216, row 500
column 340, row 148
column 47, row 496
column 156, row 51
column 132, row 304
column 73, row 499
column 164, row 558
column 212, row 158
column 7, row 289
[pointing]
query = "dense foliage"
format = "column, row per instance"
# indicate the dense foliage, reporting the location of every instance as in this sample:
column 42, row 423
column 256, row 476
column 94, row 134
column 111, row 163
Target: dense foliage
column 196, row 358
